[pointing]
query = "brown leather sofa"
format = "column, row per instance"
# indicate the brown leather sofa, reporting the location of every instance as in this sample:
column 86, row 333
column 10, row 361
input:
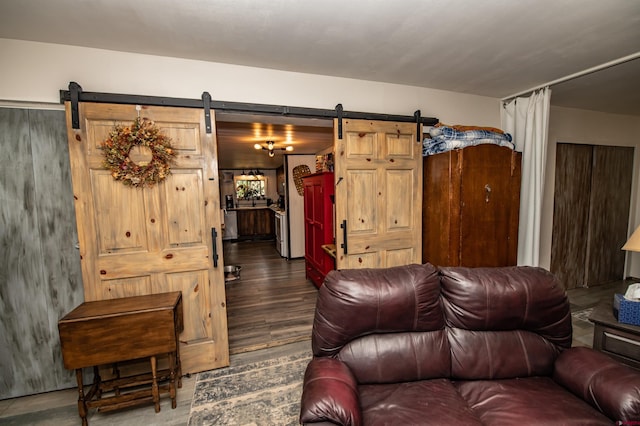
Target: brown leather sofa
column 417, row 345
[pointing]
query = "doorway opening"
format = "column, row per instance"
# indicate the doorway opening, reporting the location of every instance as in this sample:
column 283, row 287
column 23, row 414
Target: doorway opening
column 272, row 303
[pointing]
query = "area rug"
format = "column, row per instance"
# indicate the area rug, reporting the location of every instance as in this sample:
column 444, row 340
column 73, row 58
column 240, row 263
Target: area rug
column 582, row 315
column 261, row 393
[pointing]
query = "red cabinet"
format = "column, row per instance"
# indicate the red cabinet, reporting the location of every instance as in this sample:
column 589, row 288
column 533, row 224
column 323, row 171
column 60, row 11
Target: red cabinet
column 318, row 225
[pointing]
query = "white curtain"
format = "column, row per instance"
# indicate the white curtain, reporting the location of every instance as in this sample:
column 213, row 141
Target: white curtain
column 527, row 119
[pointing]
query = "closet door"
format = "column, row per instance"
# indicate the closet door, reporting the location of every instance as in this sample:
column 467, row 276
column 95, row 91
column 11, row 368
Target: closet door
column 610, row 197
column 378, row 173
column 571, row 213
column 137, row 241
column 591, row 213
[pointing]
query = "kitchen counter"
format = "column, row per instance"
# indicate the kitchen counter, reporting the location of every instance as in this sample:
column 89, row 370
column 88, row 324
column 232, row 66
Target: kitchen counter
column 272, row 207
column 249, row 208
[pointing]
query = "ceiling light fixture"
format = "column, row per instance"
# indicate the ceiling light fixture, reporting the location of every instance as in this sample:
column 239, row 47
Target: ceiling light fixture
column 270, row 148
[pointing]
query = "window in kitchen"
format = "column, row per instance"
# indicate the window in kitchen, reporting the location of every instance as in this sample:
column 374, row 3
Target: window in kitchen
column 250, row 188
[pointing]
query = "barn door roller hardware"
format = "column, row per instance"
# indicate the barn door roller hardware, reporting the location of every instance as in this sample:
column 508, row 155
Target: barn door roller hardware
column 417, row 117
column 339, row 112
column 75, row 90
column 75, row 95
column 206, row 104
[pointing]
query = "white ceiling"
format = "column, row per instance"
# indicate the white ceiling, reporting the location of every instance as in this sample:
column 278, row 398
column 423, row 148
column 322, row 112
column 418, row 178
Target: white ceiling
column 492, row 48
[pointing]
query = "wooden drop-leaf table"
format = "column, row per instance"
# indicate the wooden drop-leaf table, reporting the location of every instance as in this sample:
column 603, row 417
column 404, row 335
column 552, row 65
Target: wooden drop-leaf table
column 109, row 332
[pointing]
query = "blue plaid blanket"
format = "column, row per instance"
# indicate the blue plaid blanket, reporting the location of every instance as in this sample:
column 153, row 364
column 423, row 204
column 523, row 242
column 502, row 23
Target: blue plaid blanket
column 446, row 139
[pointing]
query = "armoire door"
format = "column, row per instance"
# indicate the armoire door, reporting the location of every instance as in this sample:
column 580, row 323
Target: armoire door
column 471, row 205
column 489, row 205
column 591, row 212
column 136, row 241
column 378, row 193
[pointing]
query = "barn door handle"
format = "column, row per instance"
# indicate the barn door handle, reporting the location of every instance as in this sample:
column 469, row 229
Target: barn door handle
column 343, row 225
column 214, row 244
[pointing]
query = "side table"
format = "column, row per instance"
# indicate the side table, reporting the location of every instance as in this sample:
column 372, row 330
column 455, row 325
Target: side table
column 112, row 331
column 618, row 340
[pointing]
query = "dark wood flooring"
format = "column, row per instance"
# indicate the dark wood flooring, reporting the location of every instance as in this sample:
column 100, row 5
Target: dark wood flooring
column 272, row 303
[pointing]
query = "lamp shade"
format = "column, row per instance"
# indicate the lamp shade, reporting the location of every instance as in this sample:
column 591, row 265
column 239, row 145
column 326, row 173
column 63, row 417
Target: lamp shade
column 633, row 244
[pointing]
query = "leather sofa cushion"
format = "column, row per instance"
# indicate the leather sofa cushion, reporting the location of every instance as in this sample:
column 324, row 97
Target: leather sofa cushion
column 504, row 322
column 510, row 402
column 499, row 354
column 398, row 357
column 357, row 302
column 428, row 402
column 508, row 298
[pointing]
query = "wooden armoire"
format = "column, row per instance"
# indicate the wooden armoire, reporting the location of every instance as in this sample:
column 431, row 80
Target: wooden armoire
column 471, row 204
column 318, row 225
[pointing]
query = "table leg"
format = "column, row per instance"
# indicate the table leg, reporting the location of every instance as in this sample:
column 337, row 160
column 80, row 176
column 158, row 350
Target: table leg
column 155, row 392
column 97, row 381
column 178, row 364
column 116, row 374
column 82, row 405
column 172, row 379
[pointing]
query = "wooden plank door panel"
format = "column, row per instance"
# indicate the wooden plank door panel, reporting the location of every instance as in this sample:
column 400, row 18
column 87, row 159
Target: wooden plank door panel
column 378, row 174
column 441, row 227
column 571, row 213
column 489, row 192
column 136, row 241
column 591, row 212
column 610, row 198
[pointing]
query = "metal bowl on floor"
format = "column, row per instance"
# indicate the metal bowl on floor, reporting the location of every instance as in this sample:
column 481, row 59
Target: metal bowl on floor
column 232, row 273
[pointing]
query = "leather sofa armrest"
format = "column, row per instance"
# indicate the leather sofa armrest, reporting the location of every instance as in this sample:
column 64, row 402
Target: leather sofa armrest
column 608, row 385
column 330, row 394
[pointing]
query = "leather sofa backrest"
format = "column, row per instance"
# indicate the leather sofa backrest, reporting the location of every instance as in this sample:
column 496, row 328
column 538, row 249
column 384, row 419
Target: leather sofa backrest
column 504, row 322
column 415, row 322
column 386, row 324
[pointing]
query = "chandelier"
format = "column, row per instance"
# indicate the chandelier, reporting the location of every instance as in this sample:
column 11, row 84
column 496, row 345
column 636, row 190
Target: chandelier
column 271, row 148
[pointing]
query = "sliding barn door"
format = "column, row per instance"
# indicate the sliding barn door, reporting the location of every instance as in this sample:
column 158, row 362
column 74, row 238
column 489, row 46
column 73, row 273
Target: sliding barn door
column 378, row 173
column 136, row 241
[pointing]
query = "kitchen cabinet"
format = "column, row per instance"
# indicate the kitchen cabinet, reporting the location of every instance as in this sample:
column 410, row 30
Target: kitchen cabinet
column 256, row 223
column 318, row 225
column 471, row 206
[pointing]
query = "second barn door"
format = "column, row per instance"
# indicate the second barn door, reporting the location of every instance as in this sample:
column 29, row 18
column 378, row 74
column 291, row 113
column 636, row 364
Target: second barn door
column 136, row 241
column 378, row 194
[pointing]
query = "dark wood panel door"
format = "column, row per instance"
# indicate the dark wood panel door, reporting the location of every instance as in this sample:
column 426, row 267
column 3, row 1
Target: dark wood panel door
column 489, row 207
column 591, row 212
column 608, row 213
column 571, row 213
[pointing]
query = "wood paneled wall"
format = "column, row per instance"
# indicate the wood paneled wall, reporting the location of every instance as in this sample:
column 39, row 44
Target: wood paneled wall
column 40, row 277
